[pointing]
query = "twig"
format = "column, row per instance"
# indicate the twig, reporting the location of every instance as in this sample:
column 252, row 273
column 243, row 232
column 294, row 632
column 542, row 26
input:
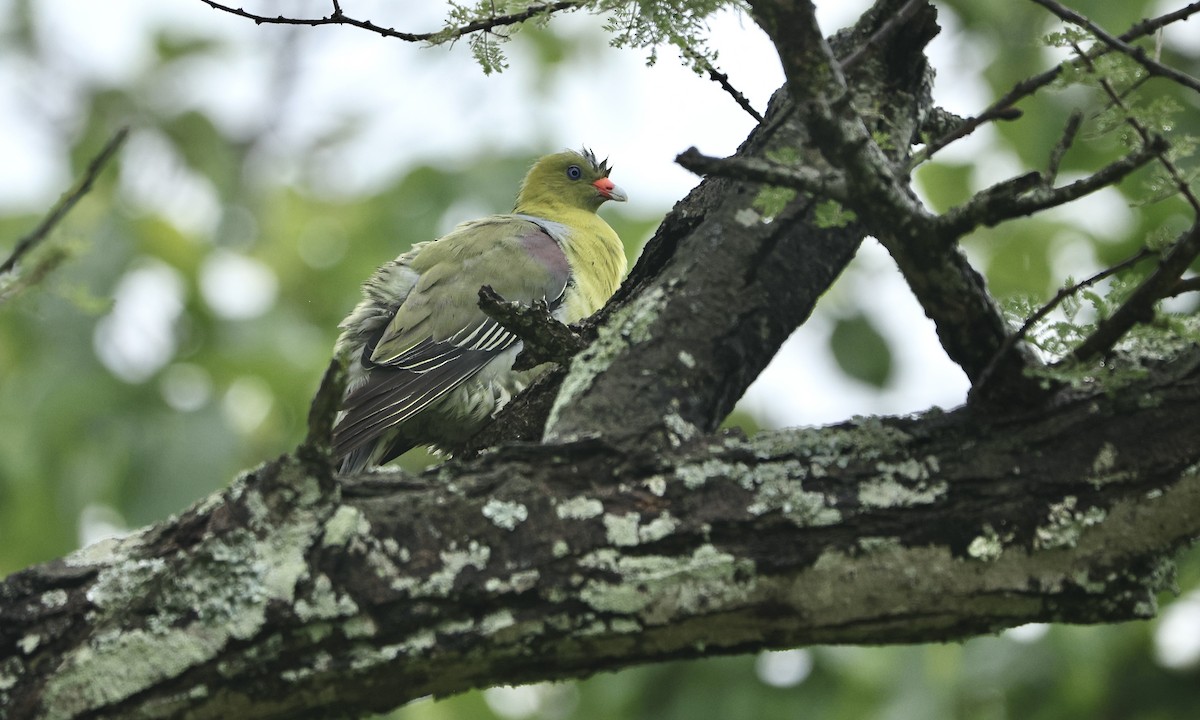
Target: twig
column 337, row 17
column 322, row 412
column 798, row 177
column 66, row 202
column 545, row 338
column 1186, row 285
column 1028, row 193
column 721, row 79
column 1064, row 143
column 1139, row 54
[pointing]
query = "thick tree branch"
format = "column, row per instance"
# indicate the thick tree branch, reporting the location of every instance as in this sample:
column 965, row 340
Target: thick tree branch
column 556, row 561
column 969, row 324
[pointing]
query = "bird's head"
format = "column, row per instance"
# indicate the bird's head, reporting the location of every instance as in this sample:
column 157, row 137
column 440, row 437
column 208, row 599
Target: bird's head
column 575, row 179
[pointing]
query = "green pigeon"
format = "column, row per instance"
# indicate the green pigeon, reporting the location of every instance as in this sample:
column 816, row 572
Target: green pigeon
column 427, row 366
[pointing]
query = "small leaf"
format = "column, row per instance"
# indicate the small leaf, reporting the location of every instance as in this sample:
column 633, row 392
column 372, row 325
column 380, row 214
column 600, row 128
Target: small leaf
column 861, row 351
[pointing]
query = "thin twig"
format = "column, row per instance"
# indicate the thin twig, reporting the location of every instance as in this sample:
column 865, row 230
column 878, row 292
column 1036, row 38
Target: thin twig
column 721, row 79
column 66, row 202
column 1064, row 144
column 1186, row 285
column 337, row 17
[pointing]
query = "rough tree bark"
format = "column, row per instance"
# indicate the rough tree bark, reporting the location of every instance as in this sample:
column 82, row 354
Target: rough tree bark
column 631, row 530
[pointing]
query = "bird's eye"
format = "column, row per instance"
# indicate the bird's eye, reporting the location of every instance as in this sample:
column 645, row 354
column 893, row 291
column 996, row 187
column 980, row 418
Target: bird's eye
column 574, row 172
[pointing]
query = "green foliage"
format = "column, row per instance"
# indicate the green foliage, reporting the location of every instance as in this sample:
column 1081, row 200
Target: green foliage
column 771, row 200
column 861, row 351
column 830, row 214
column 641, row 24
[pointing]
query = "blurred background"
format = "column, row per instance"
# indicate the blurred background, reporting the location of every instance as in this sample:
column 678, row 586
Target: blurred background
column 270, row 169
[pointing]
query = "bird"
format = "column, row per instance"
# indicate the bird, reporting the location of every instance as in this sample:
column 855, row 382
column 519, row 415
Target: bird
column 426, row 366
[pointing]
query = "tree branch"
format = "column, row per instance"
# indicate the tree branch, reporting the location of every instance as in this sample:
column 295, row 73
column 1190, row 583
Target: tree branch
column 721, row 79
column 799, row 177
column 1030, row 193
column 337, row 17
column 545, row 338
column 1139, row 307
column 969, row 325
column 1002, row 109
column 556, row 561
column 64, row 205
column 1151, row 65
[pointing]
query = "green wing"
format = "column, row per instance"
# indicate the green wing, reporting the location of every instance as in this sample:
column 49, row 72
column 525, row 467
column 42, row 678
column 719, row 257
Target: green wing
column 439, row 338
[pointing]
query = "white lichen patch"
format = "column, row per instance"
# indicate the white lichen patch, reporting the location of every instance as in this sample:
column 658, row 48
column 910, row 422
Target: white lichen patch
column 345, row 523
column 54, row 598
column 29, row 643
column 497, row 621
column 1065, row 524
column 579, row 507
column 658, row 528
column 323, row 603
column 686, row 359
column 657, row 485
column 886, row 492
column 517, row 582
column 988, row 546
column 695, row 476
column 747, row 217
column 679, row 430
column 1104, row 467
column 560, row 548
column 778, row 487
column 621, row 530
column 360, row 626
column 91, row 677
column 657, row 588
column 505, row 515
column 440, row 583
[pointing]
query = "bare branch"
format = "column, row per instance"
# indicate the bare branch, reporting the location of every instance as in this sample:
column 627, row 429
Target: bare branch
column 721, row 79
column 1064, row 144
column 1029, row 193
column 337, row 17
column 799, row 177
column 82, row 186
